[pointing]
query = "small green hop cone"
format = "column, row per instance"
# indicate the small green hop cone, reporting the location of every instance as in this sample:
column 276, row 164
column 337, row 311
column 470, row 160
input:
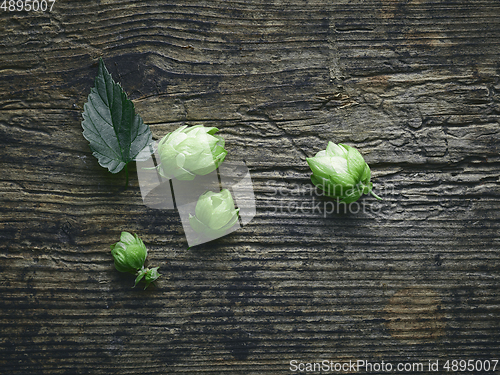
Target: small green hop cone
column 190, row 151
column 149, row 276
column 341, row 172
column 214, row 215
column 129, row 255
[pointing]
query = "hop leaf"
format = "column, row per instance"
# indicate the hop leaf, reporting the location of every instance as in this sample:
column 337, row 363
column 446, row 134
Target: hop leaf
column 116, row 134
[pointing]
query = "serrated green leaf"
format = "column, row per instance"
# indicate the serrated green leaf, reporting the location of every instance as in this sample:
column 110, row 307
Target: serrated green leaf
column 115, row 132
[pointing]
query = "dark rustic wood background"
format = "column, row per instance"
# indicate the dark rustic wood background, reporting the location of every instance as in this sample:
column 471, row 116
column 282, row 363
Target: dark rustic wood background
column 413, row 84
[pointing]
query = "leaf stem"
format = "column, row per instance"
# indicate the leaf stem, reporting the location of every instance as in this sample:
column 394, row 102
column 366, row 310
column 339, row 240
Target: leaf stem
column 126, row 174
column 375, row 195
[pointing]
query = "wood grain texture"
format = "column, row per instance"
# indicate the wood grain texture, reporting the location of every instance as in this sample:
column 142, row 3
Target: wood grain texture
column 413, row 84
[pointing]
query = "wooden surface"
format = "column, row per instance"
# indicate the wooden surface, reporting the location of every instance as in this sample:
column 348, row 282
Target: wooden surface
column 413, row 84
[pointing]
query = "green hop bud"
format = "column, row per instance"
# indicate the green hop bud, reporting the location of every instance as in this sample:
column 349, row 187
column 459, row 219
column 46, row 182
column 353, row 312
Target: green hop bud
column 341, row 172
column 214, row 214
column 187, row 152
column 149, row 276
column 129, row 253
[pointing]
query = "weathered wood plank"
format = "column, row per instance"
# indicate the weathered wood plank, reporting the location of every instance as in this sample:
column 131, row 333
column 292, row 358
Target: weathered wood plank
column 412, row 84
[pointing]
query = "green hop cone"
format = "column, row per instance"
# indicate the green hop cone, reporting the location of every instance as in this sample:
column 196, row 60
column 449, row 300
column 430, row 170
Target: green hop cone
column 214, row 215
column 341, row 172
column 190, row 151
column 129, row 253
